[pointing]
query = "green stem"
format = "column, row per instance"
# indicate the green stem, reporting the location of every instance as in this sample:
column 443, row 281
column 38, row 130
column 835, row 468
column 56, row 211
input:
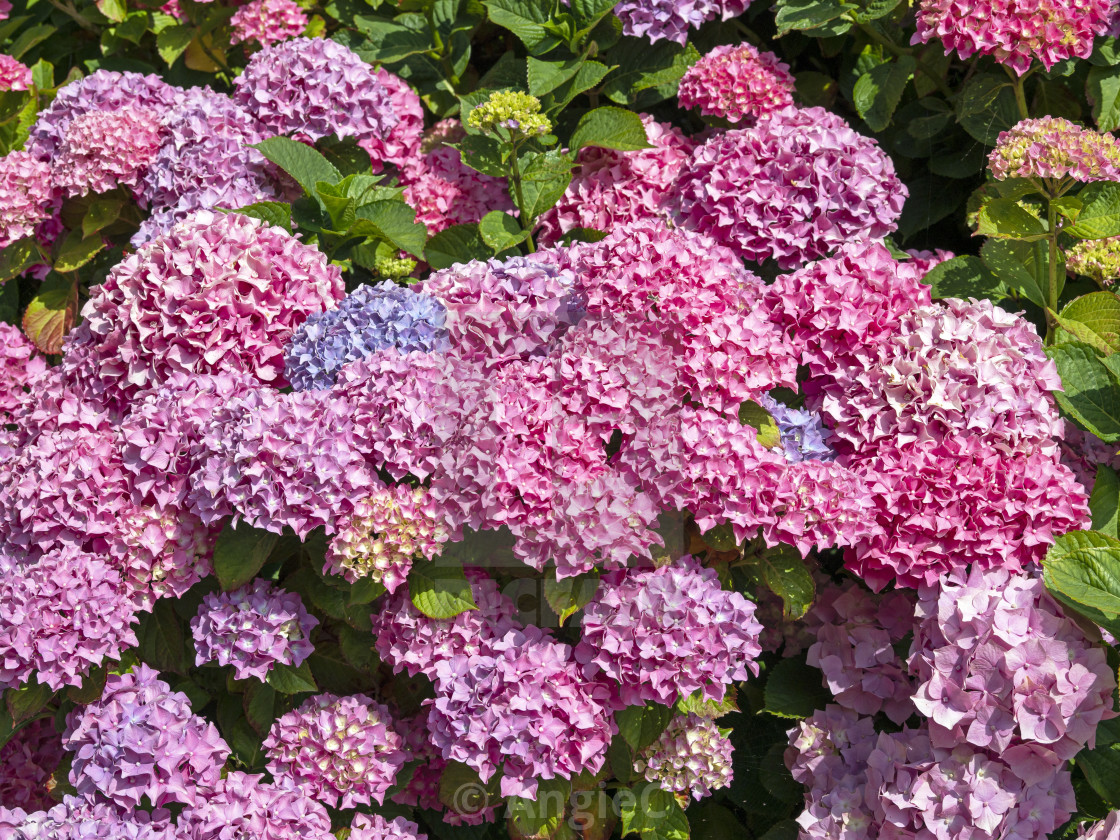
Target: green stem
column 1052, row 267
column 515, row 176
column 1019, row 83
column 69, row 10
column 897, row 51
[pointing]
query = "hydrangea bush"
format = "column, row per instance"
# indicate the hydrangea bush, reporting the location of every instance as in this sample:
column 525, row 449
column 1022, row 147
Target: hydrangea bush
column 559, row 420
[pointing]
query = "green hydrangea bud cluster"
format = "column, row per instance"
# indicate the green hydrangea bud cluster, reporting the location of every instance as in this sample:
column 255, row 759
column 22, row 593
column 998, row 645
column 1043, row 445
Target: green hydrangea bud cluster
column 394, row 268
column 1098, row 259
column 519, row 112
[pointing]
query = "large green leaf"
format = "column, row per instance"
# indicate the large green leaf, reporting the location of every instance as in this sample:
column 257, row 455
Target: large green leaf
column 500, row 230
column 440, row 591
column 51, row 313
column 568, row 596
column 395, row 40
column 162, row 642
column 1100, row 212
column 1018, row 265
column 647, row 73
column 877, row 92
column 240, row 552
column 1103, row 86
column 784, row 573
column 794, row 689
column 1101, row 765
column 525, row 19
column 396, row 222
column 1091, row 392
column 26, row 702
column 288, row 679
column 1104, row 501
column 538, row 819
column 610, row 128
column 964, row 277
column 306, row 165
column 1098, row 312
column 456, row 244
column 808, row 14
column 652, row 813
column 1082, row 570
column 1004, row 218
column 18, row 257
column 640, row 726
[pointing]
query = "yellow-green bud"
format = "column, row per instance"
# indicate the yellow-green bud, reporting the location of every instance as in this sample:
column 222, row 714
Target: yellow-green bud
column 519, row 112
column 395, row 268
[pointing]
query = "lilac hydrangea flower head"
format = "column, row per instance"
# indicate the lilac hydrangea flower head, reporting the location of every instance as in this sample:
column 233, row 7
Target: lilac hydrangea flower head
column 402, row 143
column 1106, row 829
column 217, row 293
column 671, row 19
column 344, row 751
column 102, row 90
column 61, row 616
column 1084, row 453
column 803, row 434
column 673, row 612
column 253, row 628
column 14, row 74
column 20, row 365
column 26, row 192
column 163, row 551
column 1014, row 33
column 314, row 87
column 383, row 534
column 1097, row 259
column 369, row 319
column 27, row 765
column 611, row 189
column 793, row 187
column 171, row 751
column 736, row 82
column 79, row 819
column 267, row 22
column 491, row 714
column 1000, row 664
column 692, row 757
column 101, row 149
column 1054, row 149
column 376, row 827
column 244, row 805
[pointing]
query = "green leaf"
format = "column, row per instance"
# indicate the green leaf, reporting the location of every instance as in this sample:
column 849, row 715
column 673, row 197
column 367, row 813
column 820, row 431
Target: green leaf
column 539, row 818
column 1104, row 502
column 92, row 687
column 1017, row 265
column 51, row 313
column 27, row 701
column 9, row 303
column 173, row 41
column 1091, row 392
column 42, row 74
column 568, row 596
column 393, row 41
column 240, row 552
column 784, row 573
column 697, row 704
column 986, row 106
column 18, row 257
column 1100, row 212
column 647, row 73
column 29, row 39
column 162, row 643
column 1100, row 313
column 610, row 128
column 782, row 830
column 589, row 12
column 1101, row 765
column 500, row 230
column 653, row 813
column 758, row 418
column 306, row 165
column 102, row 212
column 440, row 591
column 590, row 73
column 545, row 76
column 808, row 14
column 878, row 91
column 456, row 244
column 1082, row 570
column 292, row 680
column 544, row 179
column 524, row 18
column 964, row 277
column 776, row 778
column 115, row 10
column 1103, row 87
column 76, row 251
column 463, row 791
column 620, row 759
column 640, row 726
column 395, row 222
column 1004, row 218
column 794, row 689
column 876, row 9
column 276, row 213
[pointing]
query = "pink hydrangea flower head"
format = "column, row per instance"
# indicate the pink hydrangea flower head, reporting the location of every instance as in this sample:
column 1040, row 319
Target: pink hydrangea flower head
column 253, row 628
column 101, row 149
column 267, row 22
column 1000, row 664
column 819, row 503
column 344, row 751
column 27, row 765
column 922, row 261
column 1014, row 33
column 611, row 188
column 217, row 293
column 244, row 805
column 1097, row 259
column 162, row 551
column 76, row 818
column 671, row 19
column 20, row 365
column 308, row 87
column 792, row 188
column 854, row 634
column 5, row 9
column 171, row 751
column 26, row 192
column 737, row 82
column 402, row 144
column 645, row 629
column 61, row 616
column 376, row 827
column 692, row 757
column 1106, row 829
column 408, row 640
column 1054, row 149
column 491, row 713
column 14, row 74
column 383, row 535
column 1083, row 452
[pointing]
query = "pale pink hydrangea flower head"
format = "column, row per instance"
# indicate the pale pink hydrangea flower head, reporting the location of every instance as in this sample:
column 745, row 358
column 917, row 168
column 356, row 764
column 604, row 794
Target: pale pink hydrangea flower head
column 244, row 805
column 1097, row 259
column 736, row 83
column 267, row 22
column 26, row 192
column 672, row 19
column 1106, row 829
column 691, row 758
column 1055, row 149
column 101, row 149
column 14, row 74
column 376, row 827
column 20, row 366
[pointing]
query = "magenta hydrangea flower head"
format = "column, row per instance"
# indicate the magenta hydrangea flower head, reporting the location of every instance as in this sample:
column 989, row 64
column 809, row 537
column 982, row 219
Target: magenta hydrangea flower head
column 692, row 757
column 217, row 293
column 737, row 82
column 267, row 22
column 790, row 189
column 5, row 9
column 1000, row 664
column 171, row 752
column 410, row 641
column 20, row 366
column 101, row 149
column 27, row 765
column 76, row 818
column 1012, row 32
column 14, row 74
column 854, row 633
column 253, row 628
column 1097, row 259
column 26, row 192
column 313, row 87
column 491, row 713
column 244, row 805
column 402, row 143
column 671, row 19
column 102, row 90
column 61, row 616
column 383, row 535
column 1055, row 149
column 611, row 188
column 344, row 751
column 645, row 629
column 376, row 827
